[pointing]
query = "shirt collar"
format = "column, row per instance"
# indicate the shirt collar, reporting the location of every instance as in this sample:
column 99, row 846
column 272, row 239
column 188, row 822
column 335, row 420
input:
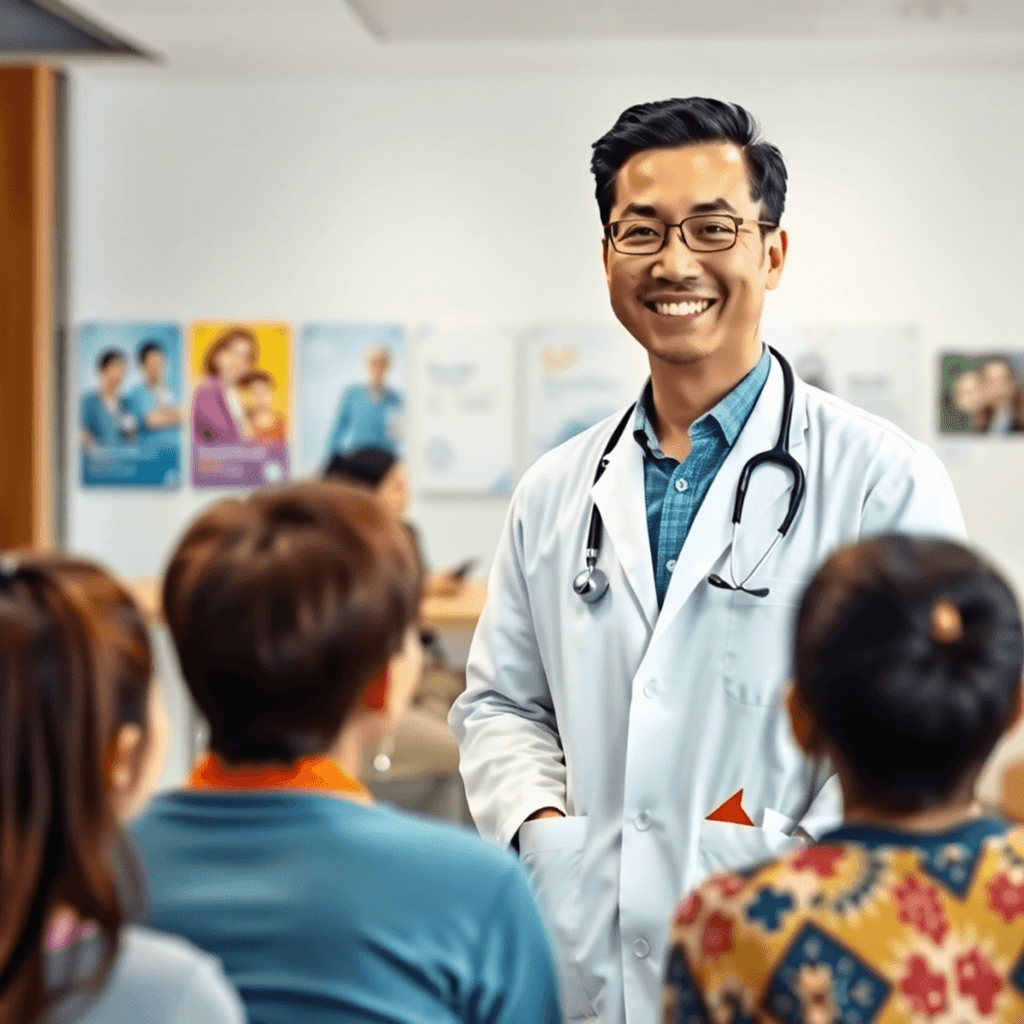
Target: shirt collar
column 729, row 416
column 310, row 773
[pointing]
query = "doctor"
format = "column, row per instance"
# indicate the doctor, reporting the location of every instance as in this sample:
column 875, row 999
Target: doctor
column 634, row 744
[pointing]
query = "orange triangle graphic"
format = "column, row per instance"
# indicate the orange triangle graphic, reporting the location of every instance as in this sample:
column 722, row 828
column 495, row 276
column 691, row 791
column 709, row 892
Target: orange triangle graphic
column 732, row 811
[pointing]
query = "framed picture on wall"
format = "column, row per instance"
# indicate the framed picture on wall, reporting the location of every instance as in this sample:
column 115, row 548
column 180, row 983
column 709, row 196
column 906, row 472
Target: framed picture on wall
column 351, row 390
column 982, row 394
column 129, row 405
column 240, row 414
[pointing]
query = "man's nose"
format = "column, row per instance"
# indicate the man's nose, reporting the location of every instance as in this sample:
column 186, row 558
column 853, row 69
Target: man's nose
column 677, row 260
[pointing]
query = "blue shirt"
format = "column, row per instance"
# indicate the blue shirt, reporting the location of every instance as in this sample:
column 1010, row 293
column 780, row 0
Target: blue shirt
column 323, row 910
column 673, row 490
column 365, row 421
column 106, row 429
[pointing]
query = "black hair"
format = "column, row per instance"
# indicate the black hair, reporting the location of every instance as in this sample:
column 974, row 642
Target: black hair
column 681, row 122
column 365, row 466
column 909, row 654
column 108, row 356
column 149, row 346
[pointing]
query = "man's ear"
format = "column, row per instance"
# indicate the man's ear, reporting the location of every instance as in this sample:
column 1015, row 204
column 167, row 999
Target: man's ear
column 804, row 724
column 778, row 246
column 604, row 253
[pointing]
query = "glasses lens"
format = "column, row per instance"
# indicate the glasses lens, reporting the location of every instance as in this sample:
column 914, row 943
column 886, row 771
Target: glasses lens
column 637, row 237
column 707, row 234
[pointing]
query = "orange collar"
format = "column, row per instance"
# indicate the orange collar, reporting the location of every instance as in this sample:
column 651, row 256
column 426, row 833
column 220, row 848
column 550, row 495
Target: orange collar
column 310, row 773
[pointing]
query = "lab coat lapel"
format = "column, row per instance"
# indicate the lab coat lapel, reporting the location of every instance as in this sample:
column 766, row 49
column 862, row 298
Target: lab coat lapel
column 619, row 495
column 711, row 532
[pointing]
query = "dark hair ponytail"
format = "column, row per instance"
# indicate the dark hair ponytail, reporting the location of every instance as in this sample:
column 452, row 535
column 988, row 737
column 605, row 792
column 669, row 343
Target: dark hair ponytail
column 909, row 653
column 75, row 664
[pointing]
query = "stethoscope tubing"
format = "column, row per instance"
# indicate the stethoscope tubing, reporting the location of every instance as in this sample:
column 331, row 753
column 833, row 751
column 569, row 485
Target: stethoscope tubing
column 592, row 584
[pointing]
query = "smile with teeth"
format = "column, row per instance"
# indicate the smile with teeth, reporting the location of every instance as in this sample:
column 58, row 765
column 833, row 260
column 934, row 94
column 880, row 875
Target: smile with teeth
column 680, row 308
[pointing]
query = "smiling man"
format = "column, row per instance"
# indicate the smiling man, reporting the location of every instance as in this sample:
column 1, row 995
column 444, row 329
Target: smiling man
column 622, row 722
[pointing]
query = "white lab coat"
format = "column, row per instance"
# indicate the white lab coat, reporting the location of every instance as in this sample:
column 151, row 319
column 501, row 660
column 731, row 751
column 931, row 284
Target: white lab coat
column 639, row 723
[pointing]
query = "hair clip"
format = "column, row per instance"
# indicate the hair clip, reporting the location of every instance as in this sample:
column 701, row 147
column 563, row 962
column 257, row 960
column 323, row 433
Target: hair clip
column 946, row 625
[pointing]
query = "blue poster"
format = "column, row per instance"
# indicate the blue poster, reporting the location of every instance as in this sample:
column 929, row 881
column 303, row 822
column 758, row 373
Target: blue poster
column 351, row 389
column 128, row 404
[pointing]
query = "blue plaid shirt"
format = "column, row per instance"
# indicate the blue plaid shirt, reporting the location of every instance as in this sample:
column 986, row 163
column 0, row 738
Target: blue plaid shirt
column 674, row 490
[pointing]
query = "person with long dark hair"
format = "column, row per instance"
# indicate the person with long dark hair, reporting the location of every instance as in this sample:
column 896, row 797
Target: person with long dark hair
column 80, row 742
column 908, row 670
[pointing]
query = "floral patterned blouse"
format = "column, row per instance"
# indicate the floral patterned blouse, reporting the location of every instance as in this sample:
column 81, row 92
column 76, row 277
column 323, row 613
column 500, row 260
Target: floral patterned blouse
column 868, row 926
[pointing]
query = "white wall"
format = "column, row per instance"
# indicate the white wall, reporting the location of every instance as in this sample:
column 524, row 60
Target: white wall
column 196, row 198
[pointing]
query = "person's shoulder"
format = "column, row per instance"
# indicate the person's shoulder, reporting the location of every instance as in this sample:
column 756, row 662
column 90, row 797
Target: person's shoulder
column 167, row 978
column 445, row 855
column 837, row 417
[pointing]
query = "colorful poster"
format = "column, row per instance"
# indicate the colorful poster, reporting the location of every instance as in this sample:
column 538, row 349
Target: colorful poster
column 576, row 375
column 464, row 379
column 875, row 367
column 351, row 386
column 982, row 394
column 129, row 407
column 240, row 403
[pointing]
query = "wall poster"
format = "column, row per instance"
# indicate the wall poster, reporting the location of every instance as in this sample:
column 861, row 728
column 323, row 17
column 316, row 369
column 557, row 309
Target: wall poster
column 240, row 403
column 351, row 389
column 875, row 367
column 129, row 404
column 576, row 376
column 464, row 379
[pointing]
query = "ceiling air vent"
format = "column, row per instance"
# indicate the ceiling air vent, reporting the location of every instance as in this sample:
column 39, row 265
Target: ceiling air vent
column 50, row 27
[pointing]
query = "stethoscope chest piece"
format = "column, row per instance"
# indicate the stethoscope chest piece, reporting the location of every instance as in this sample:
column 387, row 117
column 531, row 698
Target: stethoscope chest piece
column 591, row 585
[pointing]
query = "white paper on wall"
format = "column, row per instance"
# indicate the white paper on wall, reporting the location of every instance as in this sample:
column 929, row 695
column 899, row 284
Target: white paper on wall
column 576, row 375
column 464, row 379
column 875, row 367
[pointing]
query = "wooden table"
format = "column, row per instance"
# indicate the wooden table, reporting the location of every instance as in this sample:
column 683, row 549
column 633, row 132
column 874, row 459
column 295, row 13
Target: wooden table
column 458, row 612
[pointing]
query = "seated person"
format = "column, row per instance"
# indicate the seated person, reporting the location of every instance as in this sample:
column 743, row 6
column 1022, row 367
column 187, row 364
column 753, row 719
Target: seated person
column 293, row 614
column 84, row 739
column 908, row 670
column 381, row 471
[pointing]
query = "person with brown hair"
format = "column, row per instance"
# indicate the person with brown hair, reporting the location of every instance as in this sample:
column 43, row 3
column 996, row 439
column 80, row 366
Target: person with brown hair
column 294, row 616
column 83, row 740
column 908, row 670
column 218, row 415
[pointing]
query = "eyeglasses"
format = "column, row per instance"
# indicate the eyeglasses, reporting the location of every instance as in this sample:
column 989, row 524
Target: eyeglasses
column 711, row 232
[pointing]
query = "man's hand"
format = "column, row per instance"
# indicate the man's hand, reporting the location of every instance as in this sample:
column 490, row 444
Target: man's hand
column 546, row 812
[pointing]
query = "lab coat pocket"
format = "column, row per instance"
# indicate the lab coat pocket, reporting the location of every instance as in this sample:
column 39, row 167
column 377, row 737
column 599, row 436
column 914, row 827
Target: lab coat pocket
column 724, row 846
column 757, row 652
column 551, row 850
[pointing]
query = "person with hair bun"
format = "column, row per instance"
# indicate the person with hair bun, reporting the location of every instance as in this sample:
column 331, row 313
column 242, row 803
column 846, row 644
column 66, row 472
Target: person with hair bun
column 294, row 615
column 908, row 670
column 84, row 734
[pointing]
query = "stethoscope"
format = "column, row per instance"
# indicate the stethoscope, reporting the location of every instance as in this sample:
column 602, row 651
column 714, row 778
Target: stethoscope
column 592, row 583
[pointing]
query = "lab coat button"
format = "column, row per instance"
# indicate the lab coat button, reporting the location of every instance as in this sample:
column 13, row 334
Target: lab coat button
column 671, row 565
column 643, row 821
column 681, row 485
column 650, row 689
column 641, row 947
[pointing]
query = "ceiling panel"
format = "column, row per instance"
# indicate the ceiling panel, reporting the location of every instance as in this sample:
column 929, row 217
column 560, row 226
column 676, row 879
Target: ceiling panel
column 258, row 37
column 588, row 19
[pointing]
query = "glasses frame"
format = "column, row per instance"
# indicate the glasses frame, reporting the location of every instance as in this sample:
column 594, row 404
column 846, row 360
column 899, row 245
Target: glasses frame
column 739, row 221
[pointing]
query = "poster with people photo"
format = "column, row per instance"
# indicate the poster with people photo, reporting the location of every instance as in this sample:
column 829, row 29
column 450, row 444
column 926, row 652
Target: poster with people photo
column 129, row 404
column 982, row 394
column 351, row 381
column 240, row 403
